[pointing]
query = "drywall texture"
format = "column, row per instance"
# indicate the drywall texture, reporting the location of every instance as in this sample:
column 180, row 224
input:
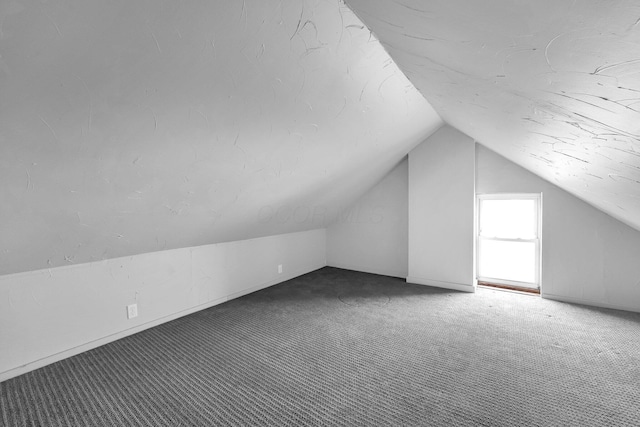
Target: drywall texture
column 51, row 314
column 552, row 85
column 372, row 234
column 442, row 211
column 587, row 256
column 132, row 126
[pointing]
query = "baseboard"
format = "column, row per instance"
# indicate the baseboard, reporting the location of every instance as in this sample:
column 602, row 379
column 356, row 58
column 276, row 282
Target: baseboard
column 440, row 284
column 31, row 366
column 283, row 278
column 573, row 300
column 381, row 272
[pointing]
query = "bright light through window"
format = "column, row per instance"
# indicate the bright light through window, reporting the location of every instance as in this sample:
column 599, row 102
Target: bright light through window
column 513, row 261
column 508, row 239
column 508, row 219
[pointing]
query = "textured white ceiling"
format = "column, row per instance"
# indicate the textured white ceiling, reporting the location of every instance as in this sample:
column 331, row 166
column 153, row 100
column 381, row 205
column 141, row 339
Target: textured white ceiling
column 552, row 85
column 129, row 126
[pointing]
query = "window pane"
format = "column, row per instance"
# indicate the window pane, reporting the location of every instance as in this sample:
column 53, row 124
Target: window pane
column 508, row 219
column 507, row 260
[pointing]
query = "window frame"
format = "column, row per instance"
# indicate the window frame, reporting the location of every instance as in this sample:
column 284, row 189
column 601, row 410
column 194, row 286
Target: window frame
column 537, row 197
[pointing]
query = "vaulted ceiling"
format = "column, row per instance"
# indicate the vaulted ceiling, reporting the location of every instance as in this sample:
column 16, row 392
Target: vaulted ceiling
column 552, row 85
column 131, row 126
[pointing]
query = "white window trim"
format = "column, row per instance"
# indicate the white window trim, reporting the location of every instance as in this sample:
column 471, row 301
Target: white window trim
column 538, row 241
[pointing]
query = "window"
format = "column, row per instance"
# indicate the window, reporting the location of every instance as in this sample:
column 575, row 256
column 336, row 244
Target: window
column 509, row 239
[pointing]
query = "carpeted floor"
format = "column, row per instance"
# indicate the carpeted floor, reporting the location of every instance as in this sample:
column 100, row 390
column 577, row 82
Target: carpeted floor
column 336, row 347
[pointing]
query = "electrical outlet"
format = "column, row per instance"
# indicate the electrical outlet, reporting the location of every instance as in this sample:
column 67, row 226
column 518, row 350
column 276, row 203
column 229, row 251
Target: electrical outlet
column 132, row 311
column 279, row 268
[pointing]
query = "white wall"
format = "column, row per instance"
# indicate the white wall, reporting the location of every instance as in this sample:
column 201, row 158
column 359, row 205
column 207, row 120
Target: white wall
column 441, row 211
column 129, row 127
column 568, row 112
column 48, row 315
column 587, row 256
column 372, row 235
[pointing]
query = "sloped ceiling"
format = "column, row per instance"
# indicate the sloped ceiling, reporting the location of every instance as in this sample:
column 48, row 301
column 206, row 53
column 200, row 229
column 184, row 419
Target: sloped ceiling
column 130, row 126
column 552, row 85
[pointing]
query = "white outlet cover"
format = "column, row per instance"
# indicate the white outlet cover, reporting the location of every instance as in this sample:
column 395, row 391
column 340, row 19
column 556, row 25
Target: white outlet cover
column 279, row 268
column 132, row 311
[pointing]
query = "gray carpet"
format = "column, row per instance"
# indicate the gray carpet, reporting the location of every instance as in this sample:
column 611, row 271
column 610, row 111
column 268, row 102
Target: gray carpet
column 336, row 347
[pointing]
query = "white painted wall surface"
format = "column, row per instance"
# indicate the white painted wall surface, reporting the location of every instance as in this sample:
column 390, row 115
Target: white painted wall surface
column 48, row 315
column 551, row 85
column 129, row 127
column 587, row 256
column 372, row 235
column 441, row 211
